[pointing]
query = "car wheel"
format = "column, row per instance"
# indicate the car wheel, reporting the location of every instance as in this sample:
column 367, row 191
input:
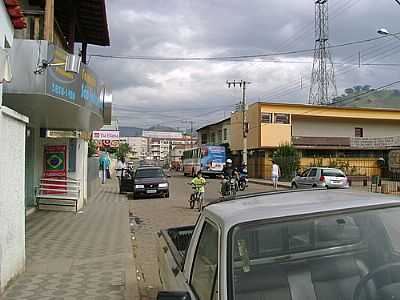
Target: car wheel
column 135, row 196
column 294, row 185
column 314, row 186
column 166, row 195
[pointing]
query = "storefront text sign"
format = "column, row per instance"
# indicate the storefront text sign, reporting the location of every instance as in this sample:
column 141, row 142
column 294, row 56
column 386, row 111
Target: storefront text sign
column 375, row 143
column 106, row 135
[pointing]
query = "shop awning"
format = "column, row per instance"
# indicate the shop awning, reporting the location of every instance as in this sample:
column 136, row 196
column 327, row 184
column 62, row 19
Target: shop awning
column 5, row 70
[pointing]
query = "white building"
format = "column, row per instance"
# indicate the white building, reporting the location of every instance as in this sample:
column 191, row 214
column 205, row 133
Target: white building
column 12, row 170
column 139, row 147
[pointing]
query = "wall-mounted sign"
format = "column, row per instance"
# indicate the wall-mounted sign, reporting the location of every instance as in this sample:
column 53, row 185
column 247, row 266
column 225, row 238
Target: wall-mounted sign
column 55, row 157
column 106, row 135
column 84, row 89
column 72, row 134
column 375, row 143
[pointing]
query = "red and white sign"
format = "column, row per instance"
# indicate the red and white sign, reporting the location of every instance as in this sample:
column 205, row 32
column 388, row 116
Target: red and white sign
column 106, row 135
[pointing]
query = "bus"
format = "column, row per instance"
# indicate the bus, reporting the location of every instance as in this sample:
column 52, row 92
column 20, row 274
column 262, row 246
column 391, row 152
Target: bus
column 209, row 159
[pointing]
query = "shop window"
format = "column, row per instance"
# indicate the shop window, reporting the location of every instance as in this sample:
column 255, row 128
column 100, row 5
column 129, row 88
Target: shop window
column 358, row 132
column 266, row 117
column 282, row 118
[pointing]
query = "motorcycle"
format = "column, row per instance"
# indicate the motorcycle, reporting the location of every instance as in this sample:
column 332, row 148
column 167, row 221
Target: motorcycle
column 230, row 187
column 243, row 182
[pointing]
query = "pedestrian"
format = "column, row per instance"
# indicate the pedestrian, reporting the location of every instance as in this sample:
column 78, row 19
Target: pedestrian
column 108, row 163
column 121, row 167
column 104, row 166
column 276, row 173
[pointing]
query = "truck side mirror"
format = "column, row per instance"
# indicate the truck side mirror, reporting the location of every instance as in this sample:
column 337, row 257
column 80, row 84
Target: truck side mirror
column 173, row 296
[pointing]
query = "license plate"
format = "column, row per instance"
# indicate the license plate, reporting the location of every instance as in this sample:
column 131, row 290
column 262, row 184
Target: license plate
column 151, row 191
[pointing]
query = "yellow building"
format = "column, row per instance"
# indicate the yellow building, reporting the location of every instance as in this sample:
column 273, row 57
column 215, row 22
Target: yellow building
column 350, row 138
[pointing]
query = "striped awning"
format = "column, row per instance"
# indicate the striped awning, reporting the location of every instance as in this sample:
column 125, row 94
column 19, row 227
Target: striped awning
column 5, row 70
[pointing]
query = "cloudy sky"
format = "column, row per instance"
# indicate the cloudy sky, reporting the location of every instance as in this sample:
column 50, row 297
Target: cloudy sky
column 147, row 92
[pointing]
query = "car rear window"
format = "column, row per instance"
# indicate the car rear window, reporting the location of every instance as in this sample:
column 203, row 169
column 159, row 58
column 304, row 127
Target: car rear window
column 149, row 173
column 332, row 173
column 279, row 239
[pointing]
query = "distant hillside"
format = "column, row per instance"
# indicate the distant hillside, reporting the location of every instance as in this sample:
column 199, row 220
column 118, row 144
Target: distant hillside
column 365, row 97
column 162, row 128
column 130, row 131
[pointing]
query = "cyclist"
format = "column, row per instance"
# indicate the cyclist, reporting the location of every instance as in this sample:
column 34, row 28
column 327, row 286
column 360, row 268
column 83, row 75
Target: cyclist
column 199, row 182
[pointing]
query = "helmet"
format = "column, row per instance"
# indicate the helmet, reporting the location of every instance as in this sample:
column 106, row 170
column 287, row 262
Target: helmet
column 229, row 161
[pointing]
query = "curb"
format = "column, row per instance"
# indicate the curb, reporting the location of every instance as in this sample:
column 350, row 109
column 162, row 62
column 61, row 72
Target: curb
column 284, row 185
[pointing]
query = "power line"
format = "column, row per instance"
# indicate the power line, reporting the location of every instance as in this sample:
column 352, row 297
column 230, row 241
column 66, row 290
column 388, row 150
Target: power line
column 238, row 57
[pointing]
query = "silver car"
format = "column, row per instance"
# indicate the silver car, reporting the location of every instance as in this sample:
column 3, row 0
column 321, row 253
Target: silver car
column 320, row 177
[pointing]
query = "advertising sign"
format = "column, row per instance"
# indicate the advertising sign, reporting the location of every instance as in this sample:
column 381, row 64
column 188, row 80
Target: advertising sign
column 83, row 89
column 106, row 135
column 108, row 143
column 55, row 161
column 162, row 135
column 212, row 158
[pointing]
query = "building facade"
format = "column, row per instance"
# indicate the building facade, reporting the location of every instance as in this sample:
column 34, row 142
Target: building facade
column 216, row 133
column 12, row 158
column 139, row 147
column 64, row 99
column 350, row 137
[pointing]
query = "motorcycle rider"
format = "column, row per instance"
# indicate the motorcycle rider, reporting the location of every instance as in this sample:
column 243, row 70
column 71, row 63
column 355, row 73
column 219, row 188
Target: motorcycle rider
column 227, row 173
column 243, row 175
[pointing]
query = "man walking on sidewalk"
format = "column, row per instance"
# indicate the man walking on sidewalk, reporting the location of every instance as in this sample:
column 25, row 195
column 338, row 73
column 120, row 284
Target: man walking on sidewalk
column 276, row 173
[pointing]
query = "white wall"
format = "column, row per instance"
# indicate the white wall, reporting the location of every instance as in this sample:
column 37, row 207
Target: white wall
column 319, row 127
column 12, row 178
column 12, row 196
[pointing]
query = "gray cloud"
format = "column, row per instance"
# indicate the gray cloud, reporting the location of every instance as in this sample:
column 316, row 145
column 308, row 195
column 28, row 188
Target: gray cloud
column 147, row 93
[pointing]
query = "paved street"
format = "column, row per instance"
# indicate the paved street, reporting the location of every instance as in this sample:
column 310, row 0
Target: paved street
column 78, row 256
column 150, row 215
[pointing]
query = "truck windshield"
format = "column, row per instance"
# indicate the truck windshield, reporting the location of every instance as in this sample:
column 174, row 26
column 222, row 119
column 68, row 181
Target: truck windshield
column 318, row 258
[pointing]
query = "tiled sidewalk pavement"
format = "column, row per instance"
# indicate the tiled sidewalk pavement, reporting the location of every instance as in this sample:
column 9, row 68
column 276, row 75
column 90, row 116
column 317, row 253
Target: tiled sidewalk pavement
column 79, row 256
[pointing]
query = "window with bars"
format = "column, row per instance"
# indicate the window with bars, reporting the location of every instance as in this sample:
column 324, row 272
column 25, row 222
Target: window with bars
column 282, row 118
column 266, row 117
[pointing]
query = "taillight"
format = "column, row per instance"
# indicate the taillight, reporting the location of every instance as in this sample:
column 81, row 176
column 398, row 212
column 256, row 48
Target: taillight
column 322, row 178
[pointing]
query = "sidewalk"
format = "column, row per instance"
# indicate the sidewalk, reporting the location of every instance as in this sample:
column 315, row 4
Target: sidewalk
column 79, row 256
column 285, row 185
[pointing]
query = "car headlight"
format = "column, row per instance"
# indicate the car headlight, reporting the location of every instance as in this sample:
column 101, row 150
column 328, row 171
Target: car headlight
column 163, row 185
column 139, row 186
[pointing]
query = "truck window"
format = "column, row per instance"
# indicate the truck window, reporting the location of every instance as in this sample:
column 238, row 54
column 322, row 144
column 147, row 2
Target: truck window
column 205, row 265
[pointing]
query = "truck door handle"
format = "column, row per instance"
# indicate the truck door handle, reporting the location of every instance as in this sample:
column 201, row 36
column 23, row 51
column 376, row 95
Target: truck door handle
column 165, row 249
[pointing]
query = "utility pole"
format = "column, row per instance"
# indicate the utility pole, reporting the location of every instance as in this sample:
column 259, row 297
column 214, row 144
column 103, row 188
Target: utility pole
column 242, row 84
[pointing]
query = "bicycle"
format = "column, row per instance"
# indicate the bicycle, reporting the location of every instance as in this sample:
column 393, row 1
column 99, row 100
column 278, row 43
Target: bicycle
column 196, row 196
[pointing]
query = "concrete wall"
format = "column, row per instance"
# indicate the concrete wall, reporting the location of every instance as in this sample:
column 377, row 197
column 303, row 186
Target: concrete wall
column 328, row 127
column 12, row 196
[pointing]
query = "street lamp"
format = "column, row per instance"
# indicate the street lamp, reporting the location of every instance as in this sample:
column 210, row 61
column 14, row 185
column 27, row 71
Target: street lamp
column 384, row 31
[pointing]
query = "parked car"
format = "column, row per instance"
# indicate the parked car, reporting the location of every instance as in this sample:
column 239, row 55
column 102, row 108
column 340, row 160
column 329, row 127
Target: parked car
column 150, row 181
column 320, row 178
column 315, row 244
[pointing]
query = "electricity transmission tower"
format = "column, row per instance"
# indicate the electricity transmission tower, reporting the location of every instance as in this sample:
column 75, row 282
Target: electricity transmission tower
column 323, row 84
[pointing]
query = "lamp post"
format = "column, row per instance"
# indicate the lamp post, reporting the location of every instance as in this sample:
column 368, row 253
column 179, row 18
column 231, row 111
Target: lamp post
column 384, row 31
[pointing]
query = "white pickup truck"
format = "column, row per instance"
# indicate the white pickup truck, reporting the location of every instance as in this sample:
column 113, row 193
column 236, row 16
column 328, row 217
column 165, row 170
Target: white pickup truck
column 300, row 245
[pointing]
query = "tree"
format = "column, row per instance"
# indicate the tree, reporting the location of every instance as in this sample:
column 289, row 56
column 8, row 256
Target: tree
column 288, row 159
column 123, row 150
column 92, row 147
